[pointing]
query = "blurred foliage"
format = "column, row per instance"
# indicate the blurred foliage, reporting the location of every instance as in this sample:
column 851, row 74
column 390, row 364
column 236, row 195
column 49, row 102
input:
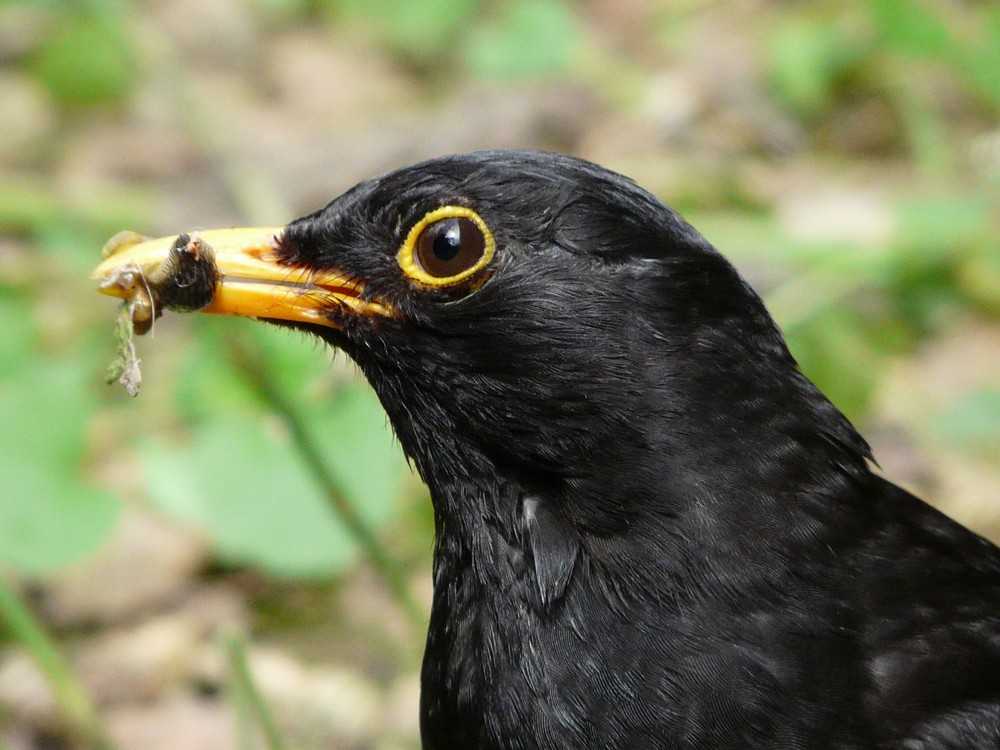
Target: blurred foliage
column 239, row 476
column 222, row 459
column 50, row 516
column 84, row 62
column 503, row 41
column 529, row 38
column 973, row 423
column 440, row 24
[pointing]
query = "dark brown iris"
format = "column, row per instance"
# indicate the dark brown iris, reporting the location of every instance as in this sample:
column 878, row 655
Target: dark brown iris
column 450, row 246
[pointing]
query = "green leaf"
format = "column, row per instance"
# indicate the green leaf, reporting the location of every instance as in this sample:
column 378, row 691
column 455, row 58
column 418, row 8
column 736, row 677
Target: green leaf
column 85, row 62
column 247, row 488
column 981, row 61
column 979, row 280
column 362, row 451
column 19, row 331
column 299, row 361
column 529, row 38
column 425, row 29
column 931, row 228
column 843, row 351
column 803, row 64
column 50, row 515
column 242, row 480
column 972, row 423
column 912, row 26
column 208, row 383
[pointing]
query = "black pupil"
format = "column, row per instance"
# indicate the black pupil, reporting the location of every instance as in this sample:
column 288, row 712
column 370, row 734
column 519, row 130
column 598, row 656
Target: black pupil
column 450, row 246
column 448, row 243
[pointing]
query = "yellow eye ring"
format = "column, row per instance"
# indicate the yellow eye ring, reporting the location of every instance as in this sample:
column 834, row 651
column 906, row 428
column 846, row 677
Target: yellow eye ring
column 447, row 246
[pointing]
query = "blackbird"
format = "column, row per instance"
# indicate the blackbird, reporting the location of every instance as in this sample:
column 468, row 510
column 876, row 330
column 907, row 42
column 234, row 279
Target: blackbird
column 652, row 530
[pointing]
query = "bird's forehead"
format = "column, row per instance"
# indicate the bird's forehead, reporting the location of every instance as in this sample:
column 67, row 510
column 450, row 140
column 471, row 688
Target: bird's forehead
column 485, row 177
column 397, row 200
column 423, row 188
column 379, row 213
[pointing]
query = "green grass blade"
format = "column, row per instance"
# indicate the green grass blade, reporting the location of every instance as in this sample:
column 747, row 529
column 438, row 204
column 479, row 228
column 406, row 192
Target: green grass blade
column 250, row 703
column 74, row 701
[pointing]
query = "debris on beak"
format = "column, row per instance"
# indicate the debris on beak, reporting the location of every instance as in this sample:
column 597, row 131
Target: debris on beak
column 184, row 280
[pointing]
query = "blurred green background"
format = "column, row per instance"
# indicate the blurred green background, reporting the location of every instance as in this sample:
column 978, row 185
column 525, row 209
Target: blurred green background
column 844, row 154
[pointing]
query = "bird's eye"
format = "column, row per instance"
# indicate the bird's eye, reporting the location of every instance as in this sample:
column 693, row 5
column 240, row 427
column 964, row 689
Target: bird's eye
column 448, row 245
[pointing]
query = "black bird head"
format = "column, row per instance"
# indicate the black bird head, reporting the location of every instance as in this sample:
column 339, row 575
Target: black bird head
column 535, row 324
column 546, row 324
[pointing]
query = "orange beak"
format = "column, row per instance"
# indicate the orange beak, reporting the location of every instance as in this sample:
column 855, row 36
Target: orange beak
column 251, row 282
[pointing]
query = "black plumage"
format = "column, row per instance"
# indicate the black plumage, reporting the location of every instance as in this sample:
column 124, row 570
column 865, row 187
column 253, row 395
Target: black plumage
column 652, row 530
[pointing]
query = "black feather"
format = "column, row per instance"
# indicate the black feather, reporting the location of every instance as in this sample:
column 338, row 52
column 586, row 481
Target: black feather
column 553, row 543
